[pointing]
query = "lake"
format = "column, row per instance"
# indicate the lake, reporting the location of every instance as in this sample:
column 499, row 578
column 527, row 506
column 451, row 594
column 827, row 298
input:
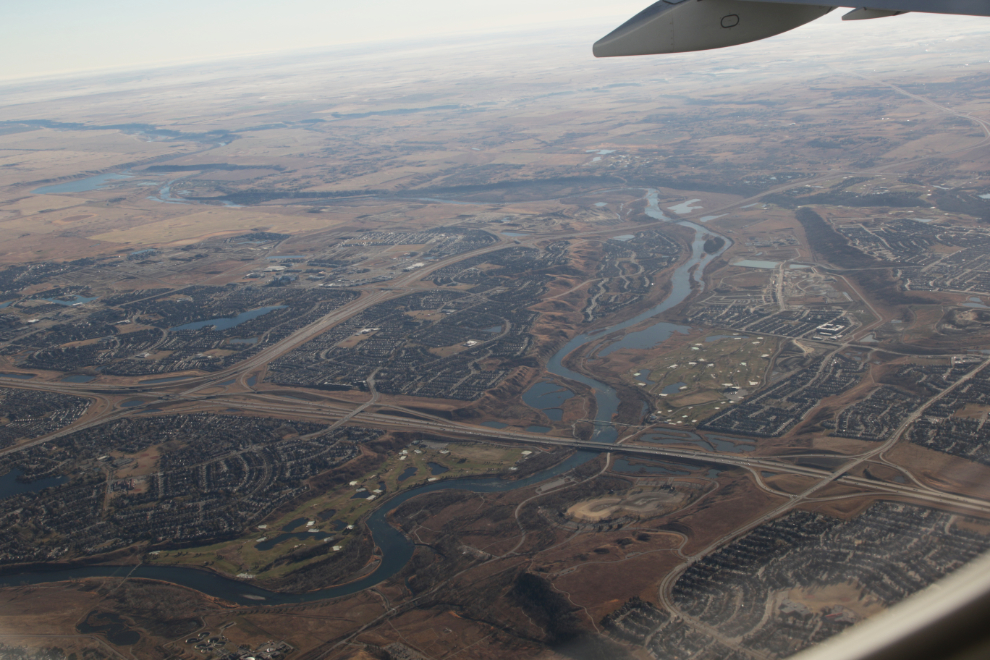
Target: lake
column 9, row 485
column 228, row 322
column 82, row 185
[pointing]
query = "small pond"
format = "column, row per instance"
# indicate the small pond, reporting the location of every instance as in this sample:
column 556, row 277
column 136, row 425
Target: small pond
column 293, row 524
column 9, row 485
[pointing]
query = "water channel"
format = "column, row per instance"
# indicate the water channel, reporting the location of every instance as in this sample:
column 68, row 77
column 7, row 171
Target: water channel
column 395, row 547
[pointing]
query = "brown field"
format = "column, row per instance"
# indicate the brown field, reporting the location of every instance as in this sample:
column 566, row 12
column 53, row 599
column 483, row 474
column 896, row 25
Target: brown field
column 943, row 471
column 144, row 463
column 601, row 587
column 790, row 483
column 638, row 503
column 847, row 594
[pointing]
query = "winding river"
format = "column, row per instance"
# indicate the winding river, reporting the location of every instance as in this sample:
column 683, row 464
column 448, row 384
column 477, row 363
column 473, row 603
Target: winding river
column 396, row 548
column 689, row 272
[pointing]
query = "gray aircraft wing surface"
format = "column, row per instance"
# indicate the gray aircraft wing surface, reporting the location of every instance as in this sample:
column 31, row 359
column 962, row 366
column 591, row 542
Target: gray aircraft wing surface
column 678, row 26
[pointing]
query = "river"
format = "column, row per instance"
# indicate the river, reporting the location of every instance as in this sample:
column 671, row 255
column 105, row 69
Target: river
column 396, row 549
column 606, row 398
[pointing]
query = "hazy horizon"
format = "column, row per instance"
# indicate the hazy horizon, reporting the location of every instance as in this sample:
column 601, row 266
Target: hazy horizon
column 37, row 43
column 56, row 37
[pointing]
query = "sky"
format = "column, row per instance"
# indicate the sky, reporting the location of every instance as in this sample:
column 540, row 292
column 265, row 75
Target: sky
column 52, row 37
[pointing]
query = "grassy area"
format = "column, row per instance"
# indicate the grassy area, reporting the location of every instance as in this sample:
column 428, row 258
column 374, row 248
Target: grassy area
column 690, row 382
column 349, row 504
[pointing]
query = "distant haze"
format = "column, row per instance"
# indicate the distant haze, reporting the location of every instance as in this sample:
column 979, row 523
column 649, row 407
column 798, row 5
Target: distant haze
column 50, row 37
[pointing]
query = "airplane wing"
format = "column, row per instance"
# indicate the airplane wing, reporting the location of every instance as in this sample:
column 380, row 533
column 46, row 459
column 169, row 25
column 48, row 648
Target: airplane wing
column 678, row 26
